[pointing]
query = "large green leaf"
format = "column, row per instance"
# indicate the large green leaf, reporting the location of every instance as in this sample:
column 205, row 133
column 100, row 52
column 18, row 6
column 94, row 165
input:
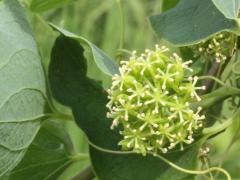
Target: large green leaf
column 22, row 85
column 44, row 5
column 47, row 157
column 230, row 8
column 71, row 87
column 191, row 21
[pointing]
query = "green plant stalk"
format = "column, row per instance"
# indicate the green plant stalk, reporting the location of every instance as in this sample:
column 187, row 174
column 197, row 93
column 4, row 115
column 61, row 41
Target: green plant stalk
column 79, row 157
column 207, row 166
column 220, row 69
column 86, row 174
column 216, row 129
column 122, row 21
column 39, row 18
column 220, row 94
column 45, row 24
column 213, row 78
column 62, row 116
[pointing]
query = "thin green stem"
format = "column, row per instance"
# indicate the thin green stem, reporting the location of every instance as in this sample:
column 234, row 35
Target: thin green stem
column 122, row 24
column 80, row 157
column 216, row 129
column 86, row 174
column 122, row 36
column 108, row 150
column 39, row 18
column 213, row 78
column 45, row 24
column 206, row 66
column 120, row 51
column 61, row 116
column 207, row 166
column 219, row 71
column 196, row 172
column 200, row 172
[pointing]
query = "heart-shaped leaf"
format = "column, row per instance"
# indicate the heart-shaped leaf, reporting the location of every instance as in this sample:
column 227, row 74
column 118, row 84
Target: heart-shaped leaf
column 22, row 85
column 191, row 21
column 71, row 87
column 48, row 156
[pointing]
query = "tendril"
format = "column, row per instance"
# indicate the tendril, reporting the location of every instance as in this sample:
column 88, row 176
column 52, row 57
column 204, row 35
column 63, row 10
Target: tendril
column 173, row 165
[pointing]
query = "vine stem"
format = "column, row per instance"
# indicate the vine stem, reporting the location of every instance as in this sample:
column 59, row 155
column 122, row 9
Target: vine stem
column 196, row 172
column 218, row 169
column 213, row 78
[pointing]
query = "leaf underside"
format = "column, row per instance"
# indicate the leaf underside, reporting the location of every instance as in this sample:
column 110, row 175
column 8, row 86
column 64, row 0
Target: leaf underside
column 22, row 86
column 47, row 157
column 230, row 8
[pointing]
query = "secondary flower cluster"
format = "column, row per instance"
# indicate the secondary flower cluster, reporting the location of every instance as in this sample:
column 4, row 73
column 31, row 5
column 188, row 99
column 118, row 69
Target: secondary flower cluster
column 150, row 102
column 216, row 48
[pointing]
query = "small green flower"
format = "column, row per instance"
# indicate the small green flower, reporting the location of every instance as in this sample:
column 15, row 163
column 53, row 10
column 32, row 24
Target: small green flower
column 216, row 48
column 150, row 101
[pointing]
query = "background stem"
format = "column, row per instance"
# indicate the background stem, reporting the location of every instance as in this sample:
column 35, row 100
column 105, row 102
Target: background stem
column 122, row 25
column 86, row 174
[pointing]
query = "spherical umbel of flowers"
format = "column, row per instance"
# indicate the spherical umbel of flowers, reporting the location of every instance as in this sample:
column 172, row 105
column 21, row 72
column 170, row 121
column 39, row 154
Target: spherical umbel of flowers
column 150, row 102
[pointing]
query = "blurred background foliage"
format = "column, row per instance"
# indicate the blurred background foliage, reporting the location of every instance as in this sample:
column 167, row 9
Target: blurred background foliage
column 103, row 22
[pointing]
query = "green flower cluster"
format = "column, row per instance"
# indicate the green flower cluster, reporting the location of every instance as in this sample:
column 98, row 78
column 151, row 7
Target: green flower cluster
column 150, row 101
column 216, row 48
